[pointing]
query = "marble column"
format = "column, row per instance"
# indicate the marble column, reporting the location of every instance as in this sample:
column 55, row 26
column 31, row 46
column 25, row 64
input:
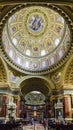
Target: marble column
column 3, row 110
column 67, row 106
column 17, row 102
column 71, row 101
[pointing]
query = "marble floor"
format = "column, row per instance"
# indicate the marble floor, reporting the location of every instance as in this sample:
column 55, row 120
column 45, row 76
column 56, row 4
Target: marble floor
column 37, row 126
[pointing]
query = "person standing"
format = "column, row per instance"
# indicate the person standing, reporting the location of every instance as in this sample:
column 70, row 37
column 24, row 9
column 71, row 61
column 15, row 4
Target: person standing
column 44, row 123
column 32, row 121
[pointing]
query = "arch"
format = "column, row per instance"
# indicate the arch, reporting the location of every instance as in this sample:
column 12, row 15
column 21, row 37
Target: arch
column 68, row 72
column 38, row 83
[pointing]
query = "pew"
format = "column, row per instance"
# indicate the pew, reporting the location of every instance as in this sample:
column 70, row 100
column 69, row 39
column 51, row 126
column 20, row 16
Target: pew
column 9, row 126
column 60, row 127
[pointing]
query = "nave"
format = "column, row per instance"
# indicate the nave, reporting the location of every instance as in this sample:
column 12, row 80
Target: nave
column 37, row 126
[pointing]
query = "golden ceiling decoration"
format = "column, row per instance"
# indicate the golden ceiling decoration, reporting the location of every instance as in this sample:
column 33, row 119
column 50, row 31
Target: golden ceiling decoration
column 27, row 26
column 68, row 79
column 35, row 38
column 3, row 73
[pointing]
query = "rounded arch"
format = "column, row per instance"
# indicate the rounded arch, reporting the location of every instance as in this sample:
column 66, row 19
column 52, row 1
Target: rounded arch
column 35, row 83
column 3, row 71
column 68, row 72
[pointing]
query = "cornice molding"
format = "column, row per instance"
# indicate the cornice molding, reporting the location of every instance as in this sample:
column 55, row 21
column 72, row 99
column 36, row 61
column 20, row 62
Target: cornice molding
column 61, row 2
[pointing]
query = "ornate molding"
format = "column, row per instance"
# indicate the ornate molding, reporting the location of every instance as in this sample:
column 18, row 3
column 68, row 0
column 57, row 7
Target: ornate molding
column 61, row 2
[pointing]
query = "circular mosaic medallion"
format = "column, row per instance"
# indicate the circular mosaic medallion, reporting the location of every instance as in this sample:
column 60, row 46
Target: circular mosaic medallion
column 36, row 22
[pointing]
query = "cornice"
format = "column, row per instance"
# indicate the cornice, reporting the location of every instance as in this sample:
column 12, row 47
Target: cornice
column 62, row 2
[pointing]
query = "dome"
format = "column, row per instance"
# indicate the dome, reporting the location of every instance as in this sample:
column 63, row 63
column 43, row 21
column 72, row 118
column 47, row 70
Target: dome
column 35, row 38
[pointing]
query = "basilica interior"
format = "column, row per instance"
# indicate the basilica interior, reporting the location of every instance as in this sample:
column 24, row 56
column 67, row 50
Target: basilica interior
column 36, row 59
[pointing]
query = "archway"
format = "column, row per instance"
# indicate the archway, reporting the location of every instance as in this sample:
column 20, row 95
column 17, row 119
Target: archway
column 35, row 83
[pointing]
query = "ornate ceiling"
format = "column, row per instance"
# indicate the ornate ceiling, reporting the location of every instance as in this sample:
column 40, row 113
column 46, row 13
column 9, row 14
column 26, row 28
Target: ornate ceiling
column 3, row 73
column 68, row 75
column 25, row 29
column 35, row 38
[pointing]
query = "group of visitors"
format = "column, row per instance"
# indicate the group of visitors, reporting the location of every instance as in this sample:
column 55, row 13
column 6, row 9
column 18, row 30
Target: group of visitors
column 44, row 122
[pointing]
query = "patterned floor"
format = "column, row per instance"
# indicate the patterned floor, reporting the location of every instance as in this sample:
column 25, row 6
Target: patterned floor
column 34, row 127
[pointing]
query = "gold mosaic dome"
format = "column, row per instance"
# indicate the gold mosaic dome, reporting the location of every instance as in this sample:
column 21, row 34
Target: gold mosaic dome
column 35, row 38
